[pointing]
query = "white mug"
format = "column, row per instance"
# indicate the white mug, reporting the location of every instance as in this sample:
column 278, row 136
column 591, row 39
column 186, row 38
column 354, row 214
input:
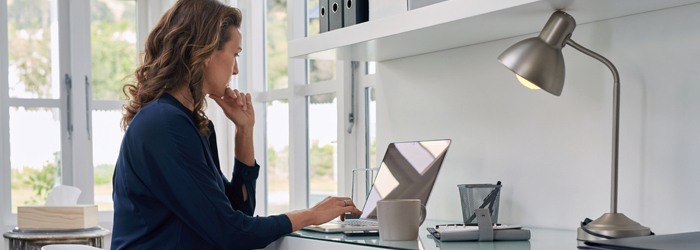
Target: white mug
column 400, row 219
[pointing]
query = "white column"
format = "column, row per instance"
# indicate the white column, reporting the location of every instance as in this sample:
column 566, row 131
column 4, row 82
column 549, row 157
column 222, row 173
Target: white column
column 298, row 136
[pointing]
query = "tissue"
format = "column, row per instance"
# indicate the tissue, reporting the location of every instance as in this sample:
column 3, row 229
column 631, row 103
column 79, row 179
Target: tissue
column 63, row 195
column 61, row 212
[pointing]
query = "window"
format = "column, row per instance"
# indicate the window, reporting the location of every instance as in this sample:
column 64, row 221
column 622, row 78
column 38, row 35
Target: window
column 292, row 179
column 370, row 133
column 321, row 120
column 276, row 110
column 309, row 153
column 34, row 120
column 114, row 59
column 322, row 146
column 277, row 162
column 276, row 45
column 61, row 107
column 370, row 118
column 34, row 166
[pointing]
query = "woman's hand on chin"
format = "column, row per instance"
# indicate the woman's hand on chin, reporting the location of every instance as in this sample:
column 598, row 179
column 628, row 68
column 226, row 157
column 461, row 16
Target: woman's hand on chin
column 237, row 106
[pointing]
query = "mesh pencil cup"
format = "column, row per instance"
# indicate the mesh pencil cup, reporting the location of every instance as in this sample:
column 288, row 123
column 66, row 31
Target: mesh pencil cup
column 475, row 196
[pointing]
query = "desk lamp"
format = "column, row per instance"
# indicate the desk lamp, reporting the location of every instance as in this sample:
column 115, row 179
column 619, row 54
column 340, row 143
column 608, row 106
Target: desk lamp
column 539, row 64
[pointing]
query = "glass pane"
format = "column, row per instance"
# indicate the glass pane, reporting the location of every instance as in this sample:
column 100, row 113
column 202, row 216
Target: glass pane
column 29, row 32
column 371, row 68
column 321, row 70
column 113, row 41
column 277, row 161
column 371, row 135
column 276, row 44
column 313, row 23
column 106, row 140
column 323, row 140
column 35, row 154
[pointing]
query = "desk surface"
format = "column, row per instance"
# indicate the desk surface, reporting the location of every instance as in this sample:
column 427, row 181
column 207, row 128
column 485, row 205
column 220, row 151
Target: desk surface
column 541, row 239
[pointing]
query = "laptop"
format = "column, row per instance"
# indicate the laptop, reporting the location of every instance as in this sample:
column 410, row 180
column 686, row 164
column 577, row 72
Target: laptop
column 408, row 171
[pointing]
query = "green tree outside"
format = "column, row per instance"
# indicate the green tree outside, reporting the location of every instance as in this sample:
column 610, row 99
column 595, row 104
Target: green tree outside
column 114, row 57
column 321, row 160
column 114, row 53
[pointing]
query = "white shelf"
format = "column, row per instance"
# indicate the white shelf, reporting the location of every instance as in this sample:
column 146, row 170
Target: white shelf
column 456, row 23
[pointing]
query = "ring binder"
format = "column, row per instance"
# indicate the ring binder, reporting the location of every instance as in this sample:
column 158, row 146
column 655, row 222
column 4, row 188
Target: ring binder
column 323, row 15
column 355, row 11
column 335, row 14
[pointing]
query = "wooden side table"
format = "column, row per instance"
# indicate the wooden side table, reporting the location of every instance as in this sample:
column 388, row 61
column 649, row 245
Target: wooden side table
column 35, row 239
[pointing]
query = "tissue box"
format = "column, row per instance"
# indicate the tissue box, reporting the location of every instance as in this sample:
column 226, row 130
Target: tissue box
column 57, row 217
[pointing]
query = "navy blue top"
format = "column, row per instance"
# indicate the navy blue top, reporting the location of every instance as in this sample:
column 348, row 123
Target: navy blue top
column 170, row 193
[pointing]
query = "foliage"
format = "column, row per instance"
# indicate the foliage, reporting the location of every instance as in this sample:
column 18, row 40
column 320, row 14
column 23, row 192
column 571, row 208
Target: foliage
column 114, row 52
column 271, row 156
column 321, row 160
column 324, row 98
column 16, row 179
column 278, row 162
column 103, row 174
column 113, row 59
column 321, row 70
column 41, row 181
column 113, row 49
column 30, row 51
column 276, row 47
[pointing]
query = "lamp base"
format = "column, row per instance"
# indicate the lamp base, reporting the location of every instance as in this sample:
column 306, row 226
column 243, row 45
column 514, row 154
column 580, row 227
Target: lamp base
column 615, row 225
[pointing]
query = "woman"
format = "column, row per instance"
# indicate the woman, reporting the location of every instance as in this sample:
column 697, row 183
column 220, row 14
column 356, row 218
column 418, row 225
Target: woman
column 169, row 192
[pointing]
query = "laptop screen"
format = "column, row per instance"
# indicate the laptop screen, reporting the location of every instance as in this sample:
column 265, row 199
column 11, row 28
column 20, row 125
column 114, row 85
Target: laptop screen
column 408, row 171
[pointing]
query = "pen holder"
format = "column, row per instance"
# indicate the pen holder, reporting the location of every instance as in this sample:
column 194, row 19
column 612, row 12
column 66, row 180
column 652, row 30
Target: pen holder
column 475, row 196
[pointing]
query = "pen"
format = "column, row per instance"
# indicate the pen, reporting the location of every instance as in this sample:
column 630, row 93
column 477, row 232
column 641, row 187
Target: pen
column 460, row 225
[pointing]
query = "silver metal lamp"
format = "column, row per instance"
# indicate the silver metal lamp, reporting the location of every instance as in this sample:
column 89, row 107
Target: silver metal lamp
column 539, row 63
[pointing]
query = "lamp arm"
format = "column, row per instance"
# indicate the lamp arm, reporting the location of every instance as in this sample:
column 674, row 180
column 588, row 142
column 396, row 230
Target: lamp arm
column 616, row 118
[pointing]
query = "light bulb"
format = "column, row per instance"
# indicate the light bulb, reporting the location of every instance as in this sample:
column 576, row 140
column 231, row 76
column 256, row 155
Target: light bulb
column 526, row 83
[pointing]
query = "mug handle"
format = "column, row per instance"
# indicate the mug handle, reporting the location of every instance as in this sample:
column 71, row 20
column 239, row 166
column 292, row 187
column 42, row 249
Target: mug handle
column 423, row 214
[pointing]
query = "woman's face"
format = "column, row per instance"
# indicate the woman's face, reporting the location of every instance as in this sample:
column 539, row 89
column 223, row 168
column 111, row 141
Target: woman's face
column 222, row 64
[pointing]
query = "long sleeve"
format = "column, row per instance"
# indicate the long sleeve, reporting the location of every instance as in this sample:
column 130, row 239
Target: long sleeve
column 169, row 193
column 242, row 174
column 247, row 175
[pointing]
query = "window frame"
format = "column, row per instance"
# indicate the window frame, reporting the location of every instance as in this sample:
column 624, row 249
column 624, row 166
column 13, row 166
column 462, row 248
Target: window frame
column 68, row 61
column 5, row 190
column 69, row 38
column 350, row 152
column 76, row 62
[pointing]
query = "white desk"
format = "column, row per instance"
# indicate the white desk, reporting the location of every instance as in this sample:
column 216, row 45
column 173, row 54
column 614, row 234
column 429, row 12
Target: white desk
column 542, row 239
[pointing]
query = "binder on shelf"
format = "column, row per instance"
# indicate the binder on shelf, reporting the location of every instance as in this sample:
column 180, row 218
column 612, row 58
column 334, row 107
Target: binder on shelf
column 335, row 14
column 323, row 15
column 355, row 11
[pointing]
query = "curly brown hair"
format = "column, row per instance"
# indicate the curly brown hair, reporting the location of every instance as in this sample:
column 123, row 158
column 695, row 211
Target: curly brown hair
column 176, row 51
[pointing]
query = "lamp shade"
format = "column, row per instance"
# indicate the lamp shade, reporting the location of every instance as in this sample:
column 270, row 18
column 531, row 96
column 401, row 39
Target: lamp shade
column 537, row 62
column 539, row 59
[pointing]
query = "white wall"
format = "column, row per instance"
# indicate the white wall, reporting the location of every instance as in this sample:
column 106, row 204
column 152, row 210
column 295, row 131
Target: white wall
column 553, row 153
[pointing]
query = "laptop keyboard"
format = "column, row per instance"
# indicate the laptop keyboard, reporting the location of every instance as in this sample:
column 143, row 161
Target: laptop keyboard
column 357, row 222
